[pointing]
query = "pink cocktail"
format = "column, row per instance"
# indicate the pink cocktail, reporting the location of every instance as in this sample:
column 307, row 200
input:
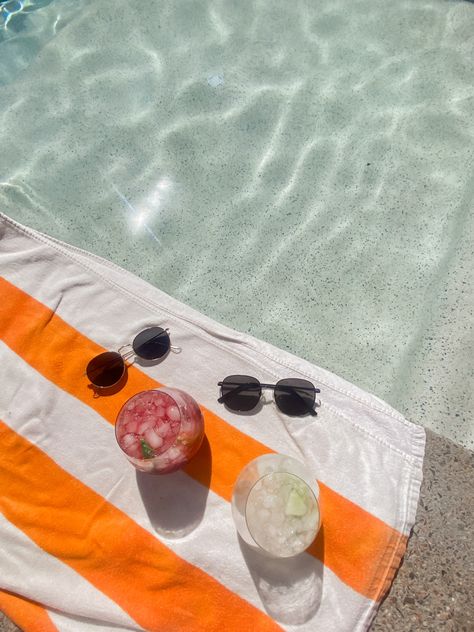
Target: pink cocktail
column 160, row 430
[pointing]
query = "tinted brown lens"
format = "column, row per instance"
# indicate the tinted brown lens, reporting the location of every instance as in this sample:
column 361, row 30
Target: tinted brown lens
column 241, row 392
column 152, row 343
column 294, row 397
column 106, row 369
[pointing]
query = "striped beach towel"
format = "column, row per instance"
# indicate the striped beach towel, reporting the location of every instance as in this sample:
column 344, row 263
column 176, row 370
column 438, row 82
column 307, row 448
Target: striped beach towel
column 86, row 542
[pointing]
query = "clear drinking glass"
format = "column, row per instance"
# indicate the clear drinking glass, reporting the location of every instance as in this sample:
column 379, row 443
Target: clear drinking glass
column 275, row 505
column 160, row 430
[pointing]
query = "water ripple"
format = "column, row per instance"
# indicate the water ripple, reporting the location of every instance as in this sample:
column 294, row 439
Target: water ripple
column 319, row 194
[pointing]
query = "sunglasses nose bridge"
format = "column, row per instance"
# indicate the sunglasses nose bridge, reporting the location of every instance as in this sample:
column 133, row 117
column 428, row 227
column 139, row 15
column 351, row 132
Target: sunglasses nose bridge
column 266, row 398
column 126, row 351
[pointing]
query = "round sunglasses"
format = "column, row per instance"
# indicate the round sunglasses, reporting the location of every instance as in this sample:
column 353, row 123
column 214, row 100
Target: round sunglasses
column 108, row 368
column 293, row 396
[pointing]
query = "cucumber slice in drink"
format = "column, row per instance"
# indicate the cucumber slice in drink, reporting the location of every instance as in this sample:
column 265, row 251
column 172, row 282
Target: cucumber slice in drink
column 296, row 504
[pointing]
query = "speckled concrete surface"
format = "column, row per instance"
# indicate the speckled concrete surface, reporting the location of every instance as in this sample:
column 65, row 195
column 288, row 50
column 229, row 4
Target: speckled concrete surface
column 434, row 586
column 6, row 625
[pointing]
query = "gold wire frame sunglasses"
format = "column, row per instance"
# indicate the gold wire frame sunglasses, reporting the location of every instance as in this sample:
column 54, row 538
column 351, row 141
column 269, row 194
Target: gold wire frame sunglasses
column 107, row 369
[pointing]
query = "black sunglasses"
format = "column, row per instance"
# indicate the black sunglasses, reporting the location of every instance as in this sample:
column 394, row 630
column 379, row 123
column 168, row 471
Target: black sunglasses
column 108, row 368
column 292, row 396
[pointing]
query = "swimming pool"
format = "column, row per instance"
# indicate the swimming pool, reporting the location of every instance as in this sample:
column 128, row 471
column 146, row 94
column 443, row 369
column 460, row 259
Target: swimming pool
column 299, row 171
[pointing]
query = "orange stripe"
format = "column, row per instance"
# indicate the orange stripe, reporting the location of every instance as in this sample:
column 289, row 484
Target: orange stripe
column 356, row 545
column 353, row 542
column 28, row 615
column 70, row 521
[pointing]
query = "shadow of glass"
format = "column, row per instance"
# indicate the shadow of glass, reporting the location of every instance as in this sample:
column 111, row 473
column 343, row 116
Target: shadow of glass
column 175, row 503
column 290, row 588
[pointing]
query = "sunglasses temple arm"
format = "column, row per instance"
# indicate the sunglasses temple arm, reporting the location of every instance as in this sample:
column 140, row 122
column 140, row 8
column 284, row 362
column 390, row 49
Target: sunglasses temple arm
column 309, row 408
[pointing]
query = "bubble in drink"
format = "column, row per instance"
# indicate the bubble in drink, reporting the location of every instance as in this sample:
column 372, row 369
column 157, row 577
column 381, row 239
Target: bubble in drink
column 160, row 430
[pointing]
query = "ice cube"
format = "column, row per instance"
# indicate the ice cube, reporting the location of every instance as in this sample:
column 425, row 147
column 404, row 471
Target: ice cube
column 135, row 451
column 153, row 439
column 147, row 466
column 272, row 530
column 146, row 425
column 269, row 502
column 173, row 454
column 269, row 483
column 163, row 430
column 131, row 426
column 128, row 440
column 187, row 426
column 160, row 461
column 173, row 413
column 121, row 432
column 162, row 400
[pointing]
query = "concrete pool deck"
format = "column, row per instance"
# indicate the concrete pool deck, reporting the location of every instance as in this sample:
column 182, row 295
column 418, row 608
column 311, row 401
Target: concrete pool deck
column 433, row 588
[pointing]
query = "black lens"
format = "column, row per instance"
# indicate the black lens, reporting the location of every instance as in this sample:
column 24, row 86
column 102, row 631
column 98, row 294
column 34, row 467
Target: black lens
column 240, row 392
column 106, row 369
column 152, row 343
column 295, row 397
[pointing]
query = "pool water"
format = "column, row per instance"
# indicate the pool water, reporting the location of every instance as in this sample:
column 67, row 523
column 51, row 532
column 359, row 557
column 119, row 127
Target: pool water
column 301, row 171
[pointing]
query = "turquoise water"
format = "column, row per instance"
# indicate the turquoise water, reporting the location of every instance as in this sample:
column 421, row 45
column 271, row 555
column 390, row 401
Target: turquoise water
column 301, row 171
